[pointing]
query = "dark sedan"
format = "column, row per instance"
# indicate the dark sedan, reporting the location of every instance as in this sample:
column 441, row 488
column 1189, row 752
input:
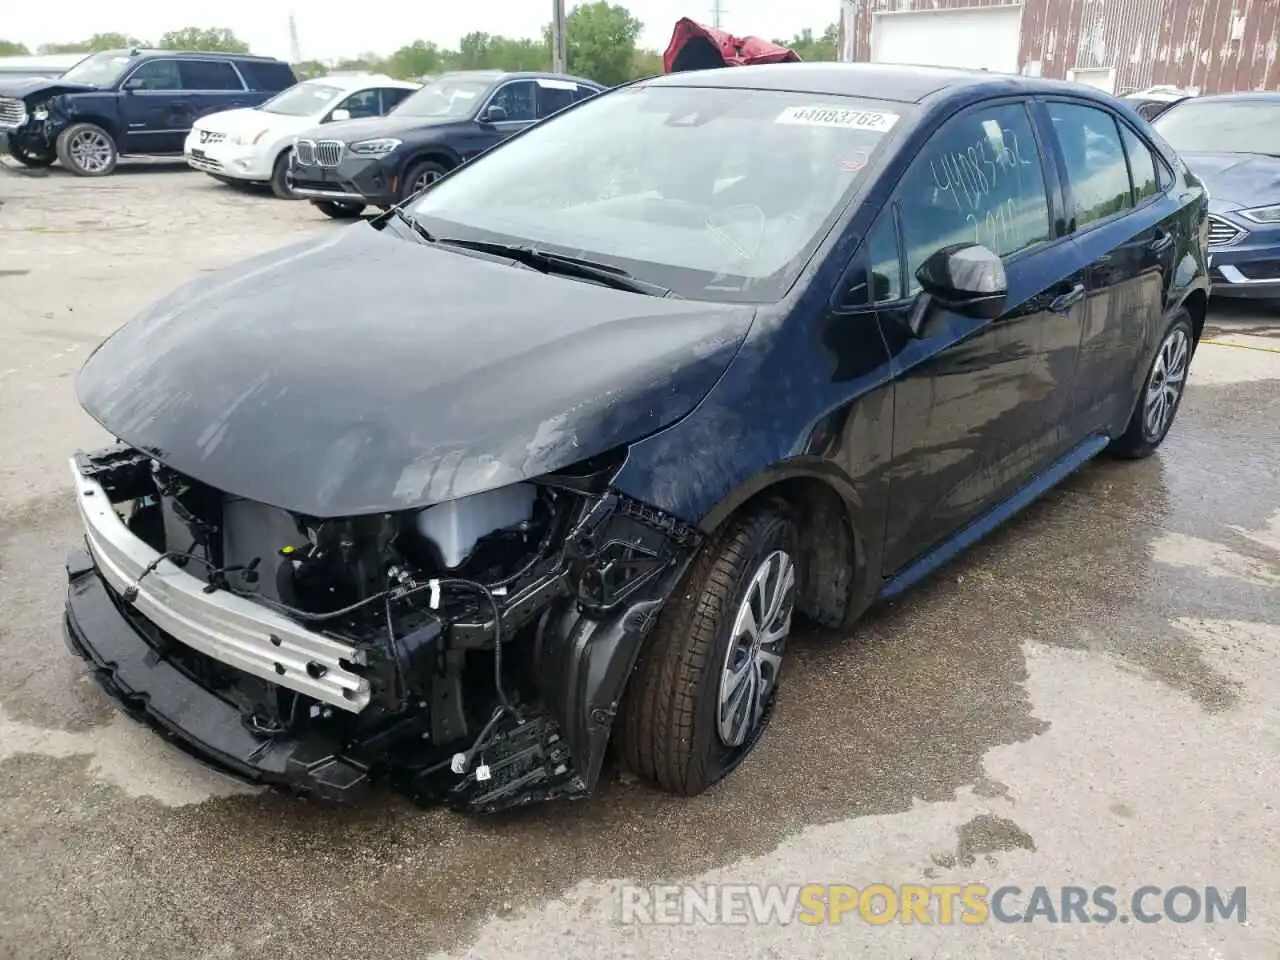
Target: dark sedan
column 552, row 455
column 1232, row 142
column 345, row 167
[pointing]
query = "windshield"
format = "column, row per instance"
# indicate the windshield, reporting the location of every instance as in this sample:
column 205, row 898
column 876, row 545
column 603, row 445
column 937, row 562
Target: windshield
column 101, row 69
column 714, row 194
column 1224, row 126
column 302, row 99
column 444, row 98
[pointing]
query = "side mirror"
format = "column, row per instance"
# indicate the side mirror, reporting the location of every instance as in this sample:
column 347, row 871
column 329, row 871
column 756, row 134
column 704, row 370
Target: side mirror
column 965, row 278
column 133, row 83
column 340, row 114
column 495, row 115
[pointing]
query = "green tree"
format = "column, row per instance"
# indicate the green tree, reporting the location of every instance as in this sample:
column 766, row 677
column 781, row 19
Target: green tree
column 10, row 49
column 417, row 59
column 601, row 41
column 809, row 47
column 96, row 44
column 364, row 63
column 645, row 63
column 203, row 38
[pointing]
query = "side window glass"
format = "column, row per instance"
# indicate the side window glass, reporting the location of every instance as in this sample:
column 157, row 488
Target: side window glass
column 1142, row 165
column 209, row 75
column 392, row 96
column 886, row 265
column 158, row 75
column 518, row 100
column 361, row 104
column 978, row 180
column 1095, row 159
column 554, row 96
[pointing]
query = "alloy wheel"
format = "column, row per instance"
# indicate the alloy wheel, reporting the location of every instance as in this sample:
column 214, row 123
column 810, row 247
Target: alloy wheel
column 754, row 658
column 425, row 179
column 91, row 151
column 1165, row 384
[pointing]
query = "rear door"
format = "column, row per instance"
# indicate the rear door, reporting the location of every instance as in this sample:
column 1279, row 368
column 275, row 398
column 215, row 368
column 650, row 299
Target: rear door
column 978, row 404
column 211, row 86
column 1124, row 223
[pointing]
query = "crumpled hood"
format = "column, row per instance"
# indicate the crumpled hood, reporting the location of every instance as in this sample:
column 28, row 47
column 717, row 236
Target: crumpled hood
column 20, row 88
column 1240, row 179
column 363, row 373
column 233, row 121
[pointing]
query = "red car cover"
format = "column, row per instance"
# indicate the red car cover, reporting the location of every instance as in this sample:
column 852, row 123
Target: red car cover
column 695, row 47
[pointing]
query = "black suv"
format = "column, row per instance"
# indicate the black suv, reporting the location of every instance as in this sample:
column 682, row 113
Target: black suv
column 128, row 102
column 344, row 167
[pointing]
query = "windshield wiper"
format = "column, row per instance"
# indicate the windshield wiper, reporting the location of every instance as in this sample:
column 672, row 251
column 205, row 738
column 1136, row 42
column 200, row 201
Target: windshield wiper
column 407, row 220
column 565, row 266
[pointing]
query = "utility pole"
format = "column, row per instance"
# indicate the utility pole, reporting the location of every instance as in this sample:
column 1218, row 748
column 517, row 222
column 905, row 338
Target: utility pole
column 295, row 49
column 559, row 46
column 717, row 14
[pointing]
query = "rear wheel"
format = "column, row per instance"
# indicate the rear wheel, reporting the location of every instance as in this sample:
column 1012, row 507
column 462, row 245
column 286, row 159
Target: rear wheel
column 421, row 176
column 703, row 690
column 87, row 150
column 280, row 178
column 1162, row 392
column 339, row 209
column 36, row 159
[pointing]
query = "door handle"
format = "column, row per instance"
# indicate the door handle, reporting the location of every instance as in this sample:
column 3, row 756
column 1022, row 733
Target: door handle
column 1064, row 302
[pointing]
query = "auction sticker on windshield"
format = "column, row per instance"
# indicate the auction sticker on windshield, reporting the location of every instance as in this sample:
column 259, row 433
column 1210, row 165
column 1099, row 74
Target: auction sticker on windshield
column 841, row 117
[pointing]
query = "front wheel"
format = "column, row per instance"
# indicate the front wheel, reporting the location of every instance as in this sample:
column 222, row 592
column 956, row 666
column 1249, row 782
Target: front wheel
column 87, row 150
column 421, row 176
column 1162, row 392
column 339, row 209
column 280, row 178
column 703, row 690
column 36, row 159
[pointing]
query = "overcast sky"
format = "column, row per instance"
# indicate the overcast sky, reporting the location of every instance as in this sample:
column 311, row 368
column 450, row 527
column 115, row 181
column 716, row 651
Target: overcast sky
column 336, row 29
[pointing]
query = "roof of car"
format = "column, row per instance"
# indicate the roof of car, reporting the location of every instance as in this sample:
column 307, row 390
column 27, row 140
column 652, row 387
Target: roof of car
column 514, row 75
column 1261, row 96
column 358, row 81
column 880, row 81
column 217, row 54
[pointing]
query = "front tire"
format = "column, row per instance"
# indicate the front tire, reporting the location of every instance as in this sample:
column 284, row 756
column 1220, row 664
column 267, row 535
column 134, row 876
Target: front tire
column 87, row 150
column 338, row 209
column 421, row 176
column 1162, row 392
column 280, row 178
column 703, row 691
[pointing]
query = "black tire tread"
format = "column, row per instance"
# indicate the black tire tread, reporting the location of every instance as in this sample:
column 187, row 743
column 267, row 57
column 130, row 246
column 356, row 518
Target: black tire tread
column 64, row 156
column 1132, row 444
column 657, row 732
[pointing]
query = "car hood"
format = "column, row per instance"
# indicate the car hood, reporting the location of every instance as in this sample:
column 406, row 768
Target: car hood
column 364, row 373
column 350, row 131
column 20, row 88
column 1241, row 179
column 234, row 121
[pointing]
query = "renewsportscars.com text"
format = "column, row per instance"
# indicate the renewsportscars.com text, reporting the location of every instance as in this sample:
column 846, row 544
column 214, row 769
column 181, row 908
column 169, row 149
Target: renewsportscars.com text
column 943, row 904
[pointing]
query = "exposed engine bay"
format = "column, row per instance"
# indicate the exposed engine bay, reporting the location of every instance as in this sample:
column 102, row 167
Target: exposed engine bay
column 472, row 651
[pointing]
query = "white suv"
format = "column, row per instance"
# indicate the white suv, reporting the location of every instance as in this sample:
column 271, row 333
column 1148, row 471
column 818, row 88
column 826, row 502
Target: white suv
column 252, row 145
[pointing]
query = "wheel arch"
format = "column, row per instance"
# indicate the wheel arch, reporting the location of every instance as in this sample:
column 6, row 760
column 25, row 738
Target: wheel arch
column 1196, row 303
column 109, row 126
column 827, row 511
column 436, row 152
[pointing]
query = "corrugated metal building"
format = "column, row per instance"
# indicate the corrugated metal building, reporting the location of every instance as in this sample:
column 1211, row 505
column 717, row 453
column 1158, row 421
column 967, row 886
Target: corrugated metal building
column 1208, row 46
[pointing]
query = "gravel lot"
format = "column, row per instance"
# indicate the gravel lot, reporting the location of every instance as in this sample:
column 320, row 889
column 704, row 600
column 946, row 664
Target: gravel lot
column 1087, row 698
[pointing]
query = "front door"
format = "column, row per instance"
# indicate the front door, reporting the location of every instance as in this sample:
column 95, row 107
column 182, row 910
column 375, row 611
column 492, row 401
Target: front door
column 155, row 109
column 1124, row 224
column 978, row 404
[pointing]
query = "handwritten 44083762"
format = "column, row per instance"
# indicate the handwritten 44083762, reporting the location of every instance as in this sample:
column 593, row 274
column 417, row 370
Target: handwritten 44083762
column 994, row 186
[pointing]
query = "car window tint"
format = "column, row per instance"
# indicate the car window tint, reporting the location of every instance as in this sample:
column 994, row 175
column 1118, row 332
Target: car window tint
column 1096, row 166
column 518, row 99
column 209, row 75
column 886, row 266
column 1142, row 165
column 391, row 96
column 364, row 103
column 554, row 99
column 158, row 75
column 979, row 179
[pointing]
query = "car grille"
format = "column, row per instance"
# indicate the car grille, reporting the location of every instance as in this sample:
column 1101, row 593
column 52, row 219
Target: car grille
column 13, row 113
column 326, row 153
column 1222, row 233
column 208, row 136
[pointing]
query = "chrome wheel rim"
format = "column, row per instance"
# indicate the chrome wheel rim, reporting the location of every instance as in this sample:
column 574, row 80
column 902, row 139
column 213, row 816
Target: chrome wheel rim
column 1165, row 385
column 754, row 658
column 425, row 179
column 91, row 151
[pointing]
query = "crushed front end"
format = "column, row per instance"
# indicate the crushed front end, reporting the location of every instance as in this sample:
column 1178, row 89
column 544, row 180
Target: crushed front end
column 29, row 126
column 473, row 652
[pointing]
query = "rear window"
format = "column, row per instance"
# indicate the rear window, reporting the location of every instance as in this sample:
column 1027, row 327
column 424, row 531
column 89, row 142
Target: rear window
column 267, row 74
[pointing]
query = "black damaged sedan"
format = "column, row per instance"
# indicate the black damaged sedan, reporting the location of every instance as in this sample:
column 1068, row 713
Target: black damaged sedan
column 557, row 455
